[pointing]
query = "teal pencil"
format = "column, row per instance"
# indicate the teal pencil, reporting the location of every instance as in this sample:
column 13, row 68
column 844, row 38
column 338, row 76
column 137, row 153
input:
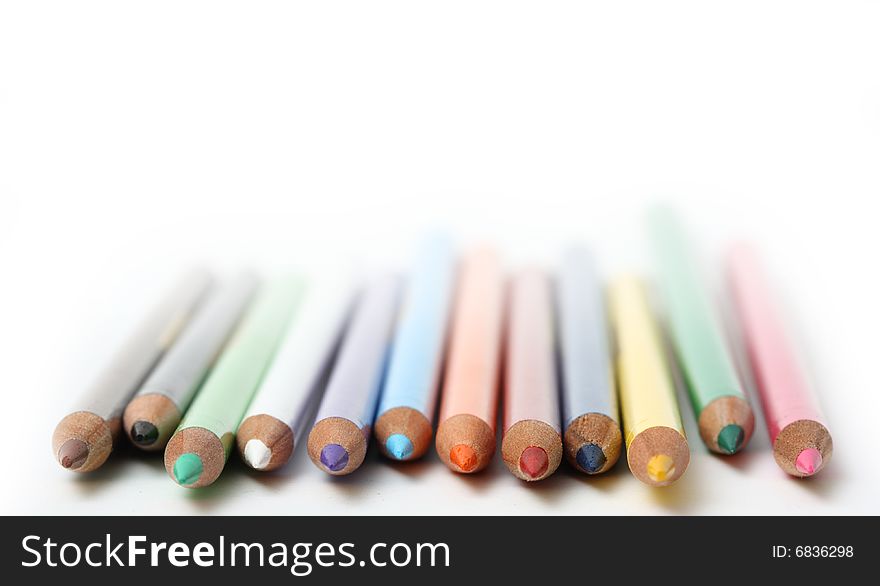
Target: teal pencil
column 725, row 418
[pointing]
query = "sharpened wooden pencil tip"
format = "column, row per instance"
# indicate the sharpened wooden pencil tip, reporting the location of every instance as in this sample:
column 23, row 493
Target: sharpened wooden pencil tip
column 73, row 453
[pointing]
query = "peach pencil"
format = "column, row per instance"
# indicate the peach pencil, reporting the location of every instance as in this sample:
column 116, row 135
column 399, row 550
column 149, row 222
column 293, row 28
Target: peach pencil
column 801, row 441
column 469, row 405
column 532, row 442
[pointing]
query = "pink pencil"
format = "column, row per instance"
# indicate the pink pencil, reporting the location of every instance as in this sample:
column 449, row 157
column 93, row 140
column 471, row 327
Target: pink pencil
column 801, row 441
column 531, row 445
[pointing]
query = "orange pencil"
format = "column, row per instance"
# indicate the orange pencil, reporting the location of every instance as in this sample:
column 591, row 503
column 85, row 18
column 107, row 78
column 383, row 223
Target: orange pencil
column 532, row 442
column 466, row 434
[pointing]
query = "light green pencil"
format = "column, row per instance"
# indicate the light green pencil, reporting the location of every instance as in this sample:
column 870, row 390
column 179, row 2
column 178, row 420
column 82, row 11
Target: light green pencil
column 725, row 418
column 197, row 451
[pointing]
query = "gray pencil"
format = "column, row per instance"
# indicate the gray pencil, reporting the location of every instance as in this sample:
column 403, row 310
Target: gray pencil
column 152, row 416
column 84, row 439
column 592, row 438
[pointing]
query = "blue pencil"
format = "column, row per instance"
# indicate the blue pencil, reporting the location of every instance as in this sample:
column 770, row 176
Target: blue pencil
column 409, row 397
column 592, row 438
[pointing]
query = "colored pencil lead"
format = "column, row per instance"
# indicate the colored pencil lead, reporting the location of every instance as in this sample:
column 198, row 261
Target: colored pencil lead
column 399, row 446
column 73, row 453
column 731, row 438
column 257, row 454
column 334, row 457
column 464, row 457
column 660, row 467
column 144, row 433
column 534, row 461
column 808, row 461
column 590, row 458
column 187, row 469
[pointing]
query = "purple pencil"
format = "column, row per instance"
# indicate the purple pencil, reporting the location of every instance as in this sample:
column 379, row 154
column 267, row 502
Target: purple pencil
column 338, row 441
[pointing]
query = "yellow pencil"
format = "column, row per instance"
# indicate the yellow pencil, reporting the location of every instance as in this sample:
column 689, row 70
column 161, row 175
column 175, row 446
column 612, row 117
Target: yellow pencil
column 656, row 447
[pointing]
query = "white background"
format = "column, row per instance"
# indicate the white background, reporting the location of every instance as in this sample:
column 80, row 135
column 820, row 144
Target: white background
column 136, row 138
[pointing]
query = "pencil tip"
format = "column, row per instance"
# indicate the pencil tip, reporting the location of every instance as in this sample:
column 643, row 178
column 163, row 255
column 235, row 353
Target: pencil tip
column 399, row 446
column 730, row 438
column 464, row 457
column 590, row 458
column 660, row 467
column 334, row 457
column 187, row 469
column 808, row 461
column 73, row 453
column 257, row 454
column 534, row 461
column 144, row 433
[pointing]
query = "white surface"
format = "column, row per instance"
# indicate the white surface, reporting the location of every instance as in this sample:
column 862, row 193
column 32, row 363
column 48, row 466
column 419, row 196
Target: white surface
column 136, row 138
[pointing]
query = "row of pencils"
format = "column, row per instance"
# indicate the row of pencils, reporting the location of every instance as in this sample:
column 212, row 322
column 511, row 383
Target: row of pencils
column 581, row 370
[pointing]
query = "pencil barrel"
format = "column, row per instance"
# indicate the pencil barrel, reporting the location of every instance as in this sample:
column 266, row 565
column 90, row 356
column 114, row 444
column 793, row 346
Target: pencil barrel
column 696, row 331
column 657, row 450
column 801, row 440
column 356, row 380
column 110, row 394
column 466, row 432
column 587, row 370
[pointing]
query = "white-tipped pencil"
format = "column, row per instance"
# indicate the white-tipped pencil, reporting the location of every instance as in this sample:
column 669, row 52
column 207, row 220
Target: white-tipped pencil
column 276, row 419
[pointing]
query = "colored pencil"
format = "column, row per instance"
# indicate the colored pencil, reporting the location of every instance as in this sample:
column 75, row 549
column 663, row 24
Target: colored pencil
column 802, row 444
column 409, row 395
column 276, row 419
column 532, row 442
column 338, row 441
column 197, row 452
column 154, row 412
column 656, row 447
column 725, row 418
column 592, row 437
column 84, row 439
column 469, row 404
